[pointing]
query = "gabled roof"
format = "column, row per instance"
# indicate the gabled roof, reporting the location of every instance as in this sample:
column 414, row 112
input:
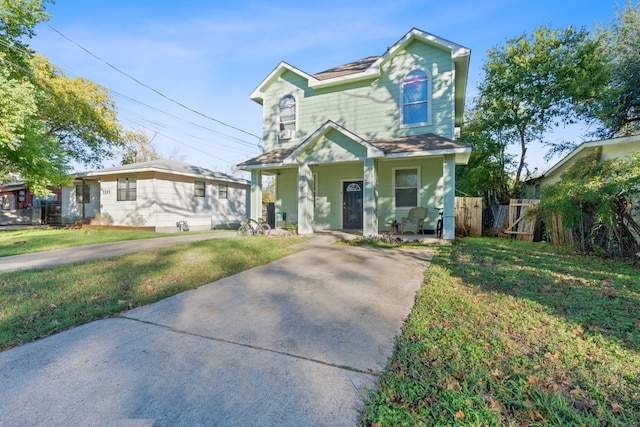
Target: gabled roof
column 170, row 166
column 585, row 147
column 372, row 151
column 355, row 67
column 389, row 148
column 368, row 67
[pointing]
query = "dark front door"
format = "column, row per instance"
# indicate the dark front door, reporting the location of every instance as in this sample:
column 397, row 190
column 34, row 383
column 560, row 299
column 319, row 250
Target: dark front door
column 352, row 204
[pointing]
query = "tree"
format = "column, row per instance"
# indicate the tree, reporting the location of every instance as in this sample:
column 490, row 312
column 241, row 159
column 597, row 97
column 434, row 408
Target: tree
column 17, row 20
column 47, row 119
column 535, row 83
column 138, row 148
column 597, row 198
column 79, row 114
column 619, row 113
column 486, row 173
column 20, row 131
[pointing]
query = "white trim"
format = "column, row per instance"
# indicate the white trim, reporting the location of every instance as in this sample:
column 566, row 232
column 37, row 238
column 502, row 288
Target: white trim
column 342, row 181
column 590, row 144
column 393, row 187
column 295, row 121
column 372, row 151
column 457, row 52
column 429, row 99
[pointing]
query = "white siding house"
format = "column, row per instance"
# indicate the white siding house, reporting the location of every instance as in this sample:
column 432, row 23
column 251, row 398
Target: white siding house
column 159, row 194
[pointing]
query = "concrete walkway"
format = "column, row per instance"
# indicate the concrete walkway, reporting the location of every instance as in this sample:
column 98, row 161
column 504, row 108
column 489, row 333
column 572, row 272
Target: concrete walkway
column 296, row 342
column 99, row 251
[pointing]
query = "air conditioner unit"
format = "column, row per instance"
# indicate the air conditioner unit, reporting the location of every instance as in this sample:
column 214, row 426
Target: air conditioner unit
column 287, row 134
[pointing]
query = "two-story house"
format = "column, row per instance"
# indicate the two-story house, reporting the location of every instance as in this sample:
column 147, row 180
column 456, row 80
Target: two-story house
column 357, row 146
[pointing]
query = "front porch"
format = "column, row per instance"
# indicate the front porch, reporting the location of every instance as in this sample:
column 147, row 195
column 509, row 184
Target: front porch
column 336, row 180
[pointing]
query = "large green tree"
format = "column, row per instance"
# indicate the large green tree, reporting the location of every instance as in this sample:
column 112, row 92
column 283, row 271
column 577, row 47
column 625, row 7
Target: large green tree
column 48, row 120
column 536, row 82
column 619, row 113
column 17, row 20
column 486, row 173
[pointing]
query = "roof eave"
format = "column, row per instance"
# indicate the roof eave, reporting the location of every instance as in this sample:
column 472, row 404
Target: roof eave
column 461, row 154
column 280, row 69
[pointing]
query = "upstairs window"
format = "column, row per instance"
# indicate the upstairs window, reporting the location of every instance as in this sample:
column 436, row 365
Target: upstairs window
column 198, row 188
column 287, row 117
column 415, row 98
column 127, row 189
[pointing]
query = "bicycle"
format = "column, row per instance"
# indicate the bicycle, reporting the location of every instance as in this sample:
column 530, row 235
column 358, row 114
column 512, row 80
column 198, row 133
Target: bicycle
column 440, row 223
column 252, row 227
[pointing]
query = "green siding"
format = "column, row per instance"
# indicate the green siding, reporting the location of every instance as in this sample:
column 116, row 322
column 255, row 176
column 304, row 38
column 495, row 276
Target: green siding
column 332, row 147
column 287, row 194
column 371, row 109
column 328, row 207
column 430, row 194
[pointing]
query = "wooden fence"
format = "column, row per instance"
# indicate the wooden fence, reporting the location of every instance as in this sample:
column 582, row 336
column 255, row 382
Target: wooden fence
column 523, row 222
column 469, row 216
column 557, row 233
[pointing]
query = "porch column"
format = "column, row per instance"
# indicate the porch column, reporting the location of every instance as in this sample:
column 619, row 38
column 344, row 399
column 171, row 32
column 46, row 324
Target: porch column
column 305, row 200
column 370, row 198
column 449, row 197
column 256, row 195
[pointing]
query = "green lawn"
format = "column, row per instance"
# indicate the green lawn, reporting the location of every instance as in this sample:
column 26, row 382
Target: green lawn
column 35, row 304
column 509, row 333
column 17, row 242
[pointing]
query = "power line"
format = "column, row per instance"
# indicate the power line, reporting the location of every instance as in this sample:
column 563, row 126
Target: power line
column 152, row 89
column 181, row 142
column 217, row 133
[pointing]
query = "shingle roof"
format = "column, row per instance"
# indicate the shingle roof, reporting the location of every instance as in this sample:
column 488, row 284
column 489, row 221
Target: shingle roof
column 165, row 165
column 390, row 146
column 417, row 143
column 347, row 69
column 276, row 156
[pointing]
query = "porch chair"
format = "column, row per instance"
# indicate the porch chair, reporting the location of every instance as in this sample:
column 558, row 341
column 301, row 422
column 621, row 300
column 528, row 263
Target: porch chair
column 413, row 221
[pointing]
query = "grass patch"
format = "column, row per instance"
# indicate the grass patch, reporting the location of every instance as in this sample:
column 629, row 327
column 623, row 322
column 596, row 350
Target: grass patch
column 39, row 303
column 18, row 242
column 509, row 333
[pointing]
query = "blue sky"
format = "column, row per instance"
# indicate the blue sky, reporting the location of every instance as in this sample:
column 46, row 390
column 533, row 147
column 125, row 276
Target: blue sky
column 209, row 56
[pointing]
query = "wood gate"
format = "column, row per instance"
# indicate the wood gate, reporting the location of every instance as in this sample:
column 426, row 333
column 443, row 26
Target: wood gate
column 522, row 221
column 469, row 216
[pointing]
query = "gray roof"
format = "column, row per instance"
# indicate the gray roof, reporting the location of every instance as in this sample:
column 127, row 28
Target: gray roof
column 276, row 156
column 347, row 69
column 417, row 143
column 170, row 166
column 390, row 146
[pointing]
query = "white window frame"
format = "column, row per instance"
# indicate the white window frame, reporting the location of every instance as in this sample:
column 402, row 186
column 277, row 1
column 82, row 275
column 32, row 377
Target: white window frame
column 428, row 101
column 225, row 192
column 282, row 126
column 418, row 186
column 196, row 188
column 128, row 190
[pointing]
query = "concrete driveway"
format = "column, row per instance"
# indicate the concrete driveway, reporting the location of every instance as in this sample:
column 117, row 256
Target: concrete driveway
column 296, row 342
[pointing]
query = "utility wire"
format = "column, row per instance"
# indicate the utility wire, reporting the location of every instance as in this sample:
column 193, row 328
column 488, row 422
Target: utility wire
column 152, row 89
column 228, row 137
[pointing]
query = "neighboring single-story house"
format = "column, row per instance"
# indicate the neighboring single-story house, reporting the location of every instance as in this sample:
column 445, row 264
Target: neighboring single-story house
column 605, row 149
column 18, row 206
column 157, row 194
column 357, row 146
